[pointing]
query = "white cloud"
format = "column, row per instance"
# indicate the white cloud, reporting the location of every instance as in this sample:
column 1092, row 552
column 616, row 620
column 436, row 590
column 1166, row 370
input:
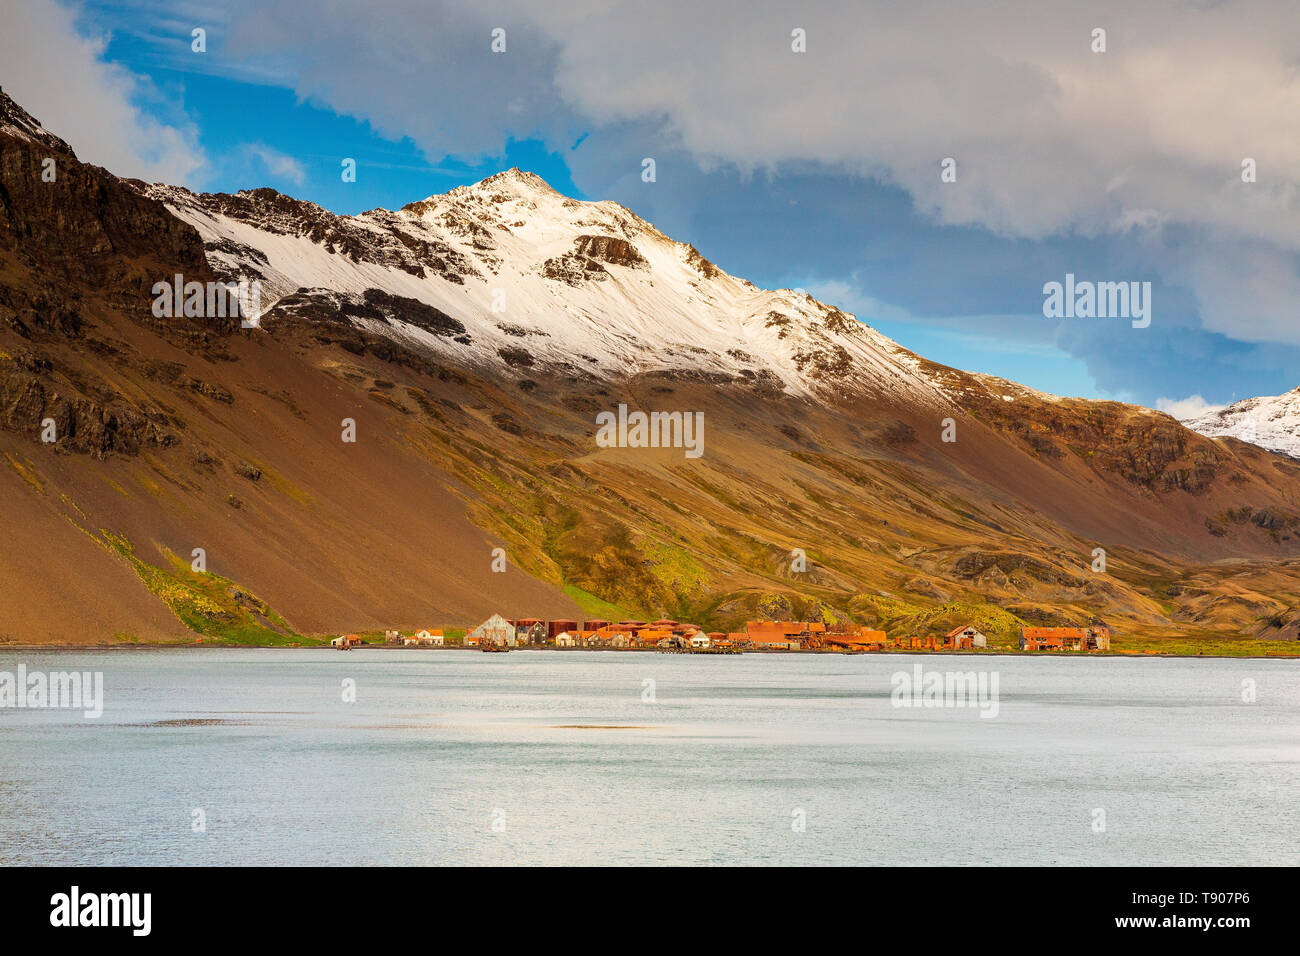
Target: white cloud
column 1048, row 135
column 277, row 163
column 418, row 68
column 1249, row 291
column 1050, row 138
column 58, row 76
column 1183, row 409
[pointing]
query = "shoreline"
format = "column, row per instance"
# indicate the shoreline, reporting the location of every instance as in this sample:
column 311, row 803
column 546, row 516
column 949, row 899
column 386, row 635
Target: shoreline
column 897, row 652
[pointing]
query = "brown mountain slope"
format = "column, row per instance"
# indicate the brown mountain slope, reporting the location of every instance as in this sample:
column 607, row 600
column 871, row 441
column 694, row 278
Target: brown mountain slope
column 156, row 420
column 177, row 434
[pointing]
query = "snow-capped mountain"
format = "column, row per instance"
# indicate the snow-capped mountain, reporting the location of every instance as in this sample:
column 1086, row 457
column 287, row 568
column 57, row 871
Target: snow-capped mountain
column 585, row 284
column 1270, row 421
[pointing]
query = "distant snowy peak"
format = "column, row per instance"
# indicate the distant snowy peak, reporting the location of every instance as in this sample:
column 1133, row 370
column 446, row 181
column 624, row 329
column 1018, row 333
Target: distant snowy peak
column 585, row 284
column 1271, row 422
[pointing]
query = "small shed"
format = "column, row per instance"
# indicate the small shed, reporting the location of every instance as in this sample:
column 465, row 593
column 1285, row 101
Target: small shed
column 966, row 636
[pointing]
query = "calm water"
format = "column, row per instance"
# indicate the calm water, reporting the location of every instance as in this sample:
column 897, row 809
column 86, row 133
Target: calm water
column 561, row 748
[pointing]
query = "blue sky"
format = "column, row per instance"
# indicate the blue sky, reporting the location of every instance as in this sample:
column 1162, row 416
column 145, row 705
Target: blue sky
column 310, row 139
column 816, row 170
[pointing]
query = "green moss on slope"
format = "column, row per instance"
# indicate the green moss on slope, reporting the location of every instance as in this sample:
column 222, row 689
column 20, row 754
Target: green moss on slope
column 208, row 604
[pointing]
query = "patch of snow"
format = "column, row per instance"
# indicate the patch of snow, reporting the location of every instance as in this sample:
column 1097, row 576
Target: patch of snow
column 1271, row 422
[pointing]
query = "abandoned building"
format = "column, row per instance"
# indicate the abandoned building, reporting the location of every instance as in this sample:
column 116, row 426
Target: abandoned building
column 1065, row 638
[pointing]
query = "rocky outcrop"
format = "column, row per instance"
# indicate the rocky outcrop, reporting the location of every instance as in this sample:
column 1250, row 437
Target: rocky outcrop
column 40, row 313
column 87, row 223
column 615, row 252
column 349, row 321
column 1144, row 447
column 1281, row 627
column 573, row 269
column 700, row 264
column 31, row 403
column 87, row 237
column 831, row 363
column 319, row 306
column 1008, row 565
column 773, row 606
column 587, row 260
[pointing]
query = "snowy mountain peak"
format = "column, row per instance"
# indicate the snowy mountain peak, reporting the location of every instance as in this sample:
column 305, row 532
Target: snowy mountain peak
column 514, row 178
column 1270, row 421
column 574, row 284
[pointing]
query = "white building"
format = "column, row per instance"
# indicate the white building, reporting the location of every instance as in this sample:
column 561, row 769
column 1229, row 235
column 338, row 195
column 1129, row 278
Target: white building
column 976, row 638
column 565, row 639
column 495, row 630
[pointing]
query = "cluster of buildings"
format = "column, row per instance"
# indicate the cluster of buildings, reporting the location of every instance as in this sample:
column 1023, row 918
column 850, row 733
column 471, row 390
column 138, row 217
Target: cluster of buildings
column 665, row 634
column 562, row 632
column 669, row 634
column 1031, row 639
column 425, row 637
column 1065, row 638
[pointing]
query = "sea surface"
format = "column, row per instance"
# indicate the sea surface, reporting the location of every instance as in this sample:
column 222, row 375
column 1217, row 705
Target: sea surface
column 215, row 756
